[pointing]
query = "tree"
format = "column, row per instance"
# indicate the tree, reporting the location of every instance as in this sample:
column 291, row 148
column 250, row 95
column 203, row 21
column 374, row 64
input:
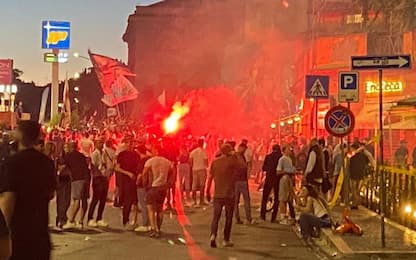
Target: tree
column 386, row 15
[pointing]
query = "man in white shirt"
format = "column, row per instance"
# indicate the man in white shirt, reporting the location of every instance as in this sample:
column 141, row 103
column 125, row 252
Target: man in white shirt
column 286, row 169
column 199, row 162
column 99, row 186
column 156, row 173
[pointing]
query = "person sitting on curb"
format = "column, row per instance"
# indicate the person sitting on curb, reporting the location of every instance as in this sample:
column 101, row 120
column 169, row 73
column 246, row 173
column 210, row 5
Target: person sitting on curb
column 314, row 212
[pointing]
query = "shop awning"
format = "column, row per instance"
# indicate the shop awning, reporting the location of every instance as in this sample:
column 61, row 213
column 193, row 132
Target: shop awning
column 407, row 102
column 408, row 124
column 367, row 118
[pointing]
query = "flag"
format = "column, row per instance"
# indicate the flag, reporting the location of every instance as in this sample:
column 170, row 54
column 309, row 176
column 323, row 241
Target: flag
column 162, row 99
column 112, row 75
column 66, row 112
column 44, row 101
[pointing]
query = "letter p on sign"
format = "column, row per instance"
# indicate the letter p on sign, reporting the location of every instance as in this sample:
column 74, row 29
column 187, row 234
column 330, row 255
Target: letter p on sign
column 349, row 80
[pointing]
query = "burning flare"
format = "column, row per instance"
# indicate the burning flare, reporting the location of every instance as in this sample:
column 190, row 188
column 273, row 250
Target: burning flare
column 171, row 124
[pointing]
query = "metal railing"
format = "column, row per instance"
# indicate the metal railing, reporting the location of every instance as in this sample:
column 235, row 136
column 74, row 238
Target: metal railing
column 400, row 194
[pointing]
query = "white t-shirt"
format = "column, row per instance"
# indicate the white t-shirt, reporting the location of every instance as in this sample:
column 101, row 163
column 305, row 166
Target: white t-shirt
column 199, row 157
column 160, row 169
column 285, row 165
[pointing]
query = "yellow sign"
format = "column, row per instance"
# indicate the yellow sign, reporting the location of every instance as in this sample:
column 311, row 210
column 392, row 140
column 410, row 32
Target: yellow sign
column 372, row 87
column 56, row 36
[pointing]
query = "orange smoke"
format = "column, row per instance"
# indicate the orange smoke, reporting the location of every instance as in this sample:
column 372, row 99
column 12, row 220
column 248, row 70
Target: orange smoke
column 172, row 123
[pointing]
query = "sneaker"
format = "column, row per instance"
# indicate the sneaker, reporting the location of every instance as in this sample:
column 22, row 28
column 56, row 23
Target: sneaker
column 130, row 227
column 142, row 229
column 92, row 223
column 79, row 225
column 102, row 223
column 284, row 221
column 252, row 222
column 227, row 243
column 69, row 225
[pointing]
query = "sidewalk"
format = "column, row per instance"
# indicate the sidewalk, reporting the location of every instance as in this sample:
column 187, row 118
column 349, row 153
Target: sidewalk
column 400, row 241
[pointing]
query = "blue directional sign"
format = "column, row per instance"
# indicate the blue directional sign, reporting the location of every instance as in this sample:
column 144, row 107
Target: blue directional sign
column 317, row 87
column 56, row 35
column 348, row 90
column 339, row 121
column 381, row 62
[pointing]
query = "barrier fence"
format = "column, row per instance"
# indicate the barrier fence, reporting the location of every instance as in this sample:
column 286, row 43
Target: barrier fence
column 400, row 194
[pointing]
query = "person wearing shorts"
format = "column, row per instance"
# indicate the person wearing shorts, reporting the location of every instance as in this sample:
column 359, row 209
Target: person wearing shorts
column 286, row 169
column 199, row 163
column 158, row 172
column 80, row 175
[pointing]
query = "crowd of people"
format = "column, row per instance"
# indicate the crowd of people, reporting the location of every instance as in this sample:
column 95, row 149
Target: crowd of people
column 37, row 167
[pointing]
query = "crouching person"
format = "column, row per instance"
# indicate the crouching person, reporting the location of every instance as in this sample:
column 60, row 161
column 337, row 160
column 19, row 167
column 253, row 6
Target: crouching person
column 314, row 213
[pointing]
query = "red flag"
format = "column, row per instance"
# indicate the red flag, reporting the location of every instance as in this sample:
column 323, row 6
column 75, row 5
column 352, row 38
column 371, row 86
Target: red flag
column 112, row 75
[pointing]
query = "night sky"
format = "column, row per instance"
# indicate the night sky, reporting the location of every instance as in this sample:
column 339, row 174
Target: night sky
column 95, row 24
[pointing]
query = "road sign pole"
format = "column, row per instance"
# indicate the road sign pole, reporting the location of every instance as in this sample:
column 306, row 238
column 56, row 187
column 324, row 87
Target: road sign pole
column 349, row 136
column 316, row 117
column 55, row 87
column 381, row 160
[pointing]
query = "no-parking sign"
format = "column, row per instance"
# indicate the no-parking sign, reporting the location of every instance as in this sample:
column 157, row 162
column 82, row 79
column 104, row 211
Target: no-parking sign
column 339, row 121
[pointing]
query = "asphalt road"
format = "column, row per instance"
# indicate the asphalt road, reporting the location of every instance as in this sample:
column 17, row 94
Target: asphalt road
column 185, row 236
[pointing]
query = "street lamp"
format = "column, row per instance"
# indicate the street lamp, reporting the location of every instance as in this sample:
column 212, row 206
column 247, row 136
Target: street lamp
column 76, row 88
column 77, row 55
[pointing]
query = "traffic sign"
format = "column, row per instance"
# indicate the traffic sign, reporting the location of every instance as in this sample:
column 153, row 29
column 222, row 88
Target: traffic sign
column 50, row 57
column 339, row 121
column 381, row 62
column 317, row 87
column 348, row 87
column 56, row 35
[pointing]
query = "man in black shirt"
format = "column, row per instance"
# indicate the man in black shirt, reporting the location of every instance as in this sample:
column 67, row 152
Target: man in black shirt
column 127, row 166
column 358, row 170
column 27, row 184
column 80, row 177
column 271, row 182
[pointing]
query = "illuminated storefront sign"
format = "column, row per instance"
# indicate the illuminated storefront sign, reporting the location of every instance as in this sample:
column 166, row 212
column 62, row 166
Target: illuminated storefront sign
column 372, row 87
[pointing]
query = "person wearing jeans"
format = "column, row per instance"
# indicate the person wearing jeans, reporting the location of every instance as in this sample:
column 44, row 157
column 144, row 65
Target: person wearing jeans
column 314, row 213
column 241, row 186
column 99, row 186
column 141, row 190
column 222, row 170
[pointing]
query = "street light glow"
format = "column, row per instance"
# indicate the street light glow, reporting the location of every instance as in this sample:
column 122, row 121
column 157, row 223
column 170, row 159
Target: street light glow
column 76, row 54
column 76, row 100
column 408, row 209
column 76, row 75
column 76, row 88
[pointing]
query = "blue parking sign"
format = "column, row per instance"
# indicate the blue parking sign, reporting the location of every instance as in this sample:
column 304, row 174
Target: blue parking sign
column 56, row 35
column 348, row 87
